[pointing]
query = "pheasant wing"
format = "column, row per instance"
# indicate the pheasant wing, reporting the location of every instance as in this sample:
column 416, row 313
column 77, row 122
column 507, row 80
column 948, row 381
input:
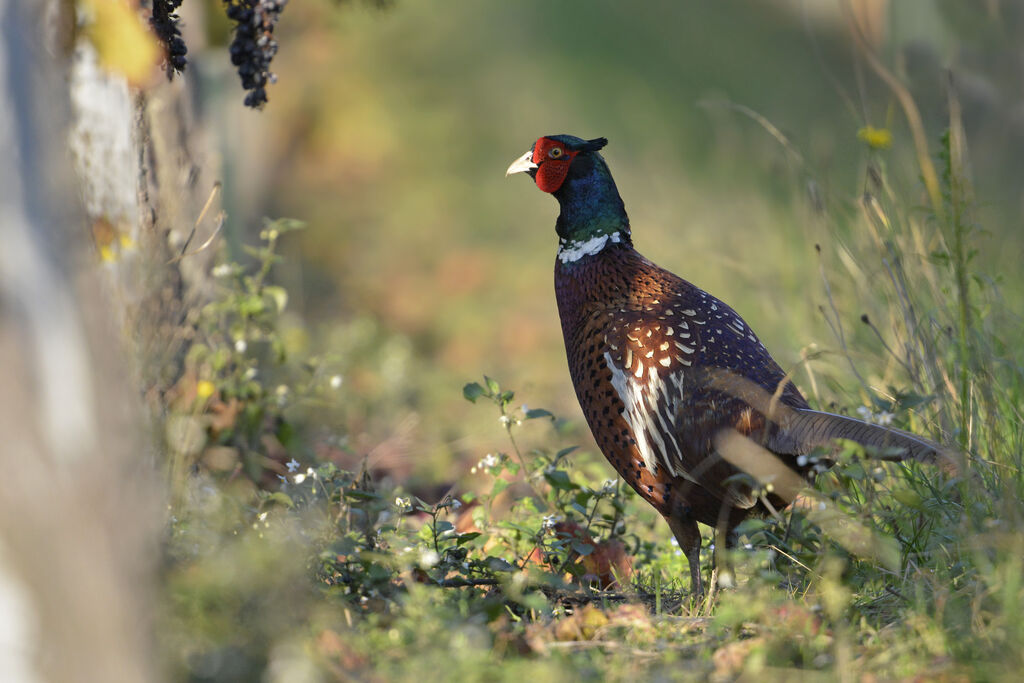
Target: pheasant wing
column 657, row 360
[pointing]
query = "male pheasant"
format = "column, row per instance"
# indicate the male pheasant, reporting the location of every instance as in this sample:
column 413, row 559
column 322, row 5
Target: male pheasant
column 665, row 373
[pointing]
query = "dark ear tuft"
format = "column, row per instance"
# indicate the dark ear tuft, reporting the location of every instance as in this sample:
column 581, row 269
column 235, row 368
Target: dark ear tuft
column 593, row 145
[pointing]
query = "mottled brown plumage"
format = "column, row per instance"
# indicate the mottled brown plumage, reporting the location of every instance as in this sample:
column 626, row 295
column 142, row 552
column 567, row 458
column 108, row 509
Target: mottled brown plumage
column 663, row 369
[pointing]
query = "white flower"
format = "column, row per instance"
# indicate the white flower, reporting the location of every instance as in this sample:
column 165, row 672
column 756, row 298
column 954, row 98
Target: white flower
column 336, row 381
column 250, row 374
column 282, row 394
column 864, row 412
column 609, row 486
column 428, row 559
column 525, row 408
column 222, row 270
column 505, row 420
column 292, row 465
column 240, row 345
column 456, row 503
column 549, row 521
column 490, row 460
column 310, row 472
column 299, row 478
column 884, row 418
column 801, row 460
column 674, row 542
column 402, row 503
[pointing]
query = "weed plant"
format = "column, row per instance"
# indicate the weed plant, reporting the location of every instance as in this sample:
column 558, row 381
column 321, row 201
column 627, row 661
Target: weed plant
column 281, row 563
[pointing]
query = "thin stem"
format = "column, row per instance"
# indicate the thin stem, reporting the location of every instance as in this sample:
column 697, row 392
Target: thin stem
column 507, row 421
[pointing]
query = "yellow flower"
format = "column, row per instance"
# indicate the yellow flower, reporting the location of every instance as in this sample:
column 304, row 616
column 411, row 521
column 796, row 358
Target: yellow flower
column 877, row 138
column 205, row 388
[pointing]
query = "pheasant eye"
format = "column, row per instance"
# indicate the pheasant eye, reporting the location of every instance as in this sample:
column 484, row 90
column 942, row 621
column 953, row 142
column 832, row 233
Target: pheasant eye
column 555, row 152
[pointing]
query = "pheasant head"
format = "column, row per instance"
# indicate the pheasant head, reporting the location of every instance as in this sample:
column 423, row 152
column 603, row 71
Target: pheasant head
column 572, row 170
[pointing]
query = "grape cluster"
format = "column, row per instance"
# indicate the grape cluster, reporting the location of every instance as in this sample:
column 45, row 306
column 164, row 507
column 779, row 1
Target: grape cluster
column 253, row 46
column 164, row 21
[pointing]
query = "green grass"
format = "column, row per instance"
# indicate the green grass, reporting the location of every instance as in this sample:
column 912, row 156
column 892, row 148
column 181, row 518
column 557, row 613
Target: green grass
column 356, row 563
column 311, row 568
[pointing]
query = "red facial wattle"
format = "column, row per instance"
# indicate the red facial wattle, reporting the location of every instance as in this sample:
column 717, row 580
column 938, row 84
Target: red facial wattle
column 552, row 170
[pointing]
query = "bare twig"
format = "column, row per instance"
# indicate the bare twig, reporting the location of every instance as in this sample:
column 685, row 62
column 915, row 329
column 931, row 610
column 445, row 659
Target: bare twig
column 202, row 214
column 760, row 120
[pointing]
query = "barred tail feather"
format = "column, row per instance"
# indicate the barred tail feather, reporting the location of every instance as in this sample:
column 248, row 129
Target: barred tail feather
column 800, row 430
column 807, row 429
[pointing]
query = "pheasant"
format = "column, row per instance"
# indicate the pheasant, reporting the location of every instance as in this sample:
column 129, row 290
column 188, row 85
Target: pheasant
column 666, row 374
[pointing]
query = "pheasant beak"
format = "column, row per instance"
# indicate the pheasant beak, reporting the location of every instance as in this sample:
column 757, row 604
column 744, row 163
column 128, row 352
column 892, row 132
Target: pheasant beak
column 523, row 164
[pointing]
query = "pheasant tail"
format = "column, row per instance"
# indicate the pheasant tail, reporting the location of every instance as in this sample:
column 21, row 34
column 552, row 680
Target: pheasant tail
column 803, row 430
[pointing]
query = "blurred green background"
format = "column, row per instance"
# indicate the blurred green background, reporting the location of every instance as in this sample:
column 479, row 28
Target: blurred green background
column 423, row 267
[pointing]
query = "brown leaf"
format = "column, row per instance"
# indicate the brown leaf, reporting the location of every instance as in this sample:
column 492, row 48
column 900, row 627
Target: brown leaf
column 731, row 658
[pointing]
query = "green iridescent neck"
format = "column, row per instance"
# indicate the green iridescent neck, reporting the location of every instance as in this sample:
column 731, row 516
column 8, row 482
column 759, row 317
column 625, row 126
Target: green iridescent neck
column 590, row 203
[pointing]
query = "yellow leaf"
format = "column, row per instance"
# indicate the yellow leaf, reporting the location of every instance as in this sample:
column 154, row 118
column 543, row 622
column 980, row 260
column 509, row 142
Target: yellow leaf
column 123, row 41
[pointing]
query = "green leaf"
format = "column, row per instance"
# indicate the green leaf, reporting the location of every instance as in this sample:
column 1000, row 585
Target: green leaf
column 584, row 496
column 534, row 413
column 279, row 295
column 343, row 546
column 559, row 479
column 251, row 305
column 472, row 391
column 492, row 386
column 908, row 497
column 359, row 494
column 466, row 537
column 913, row 400
column 286, row 434
column 854, row 471
column 498, row 565
column 220, row 359
column 582, row 548
column 565, row 451
column 282, row 498
column 283, row 225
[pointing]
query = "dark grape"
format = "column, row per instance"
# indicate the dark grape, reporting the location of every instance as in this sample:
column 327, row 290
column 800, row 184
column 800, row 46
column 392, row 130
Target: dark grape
column 253, row 45
column 164, row 21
